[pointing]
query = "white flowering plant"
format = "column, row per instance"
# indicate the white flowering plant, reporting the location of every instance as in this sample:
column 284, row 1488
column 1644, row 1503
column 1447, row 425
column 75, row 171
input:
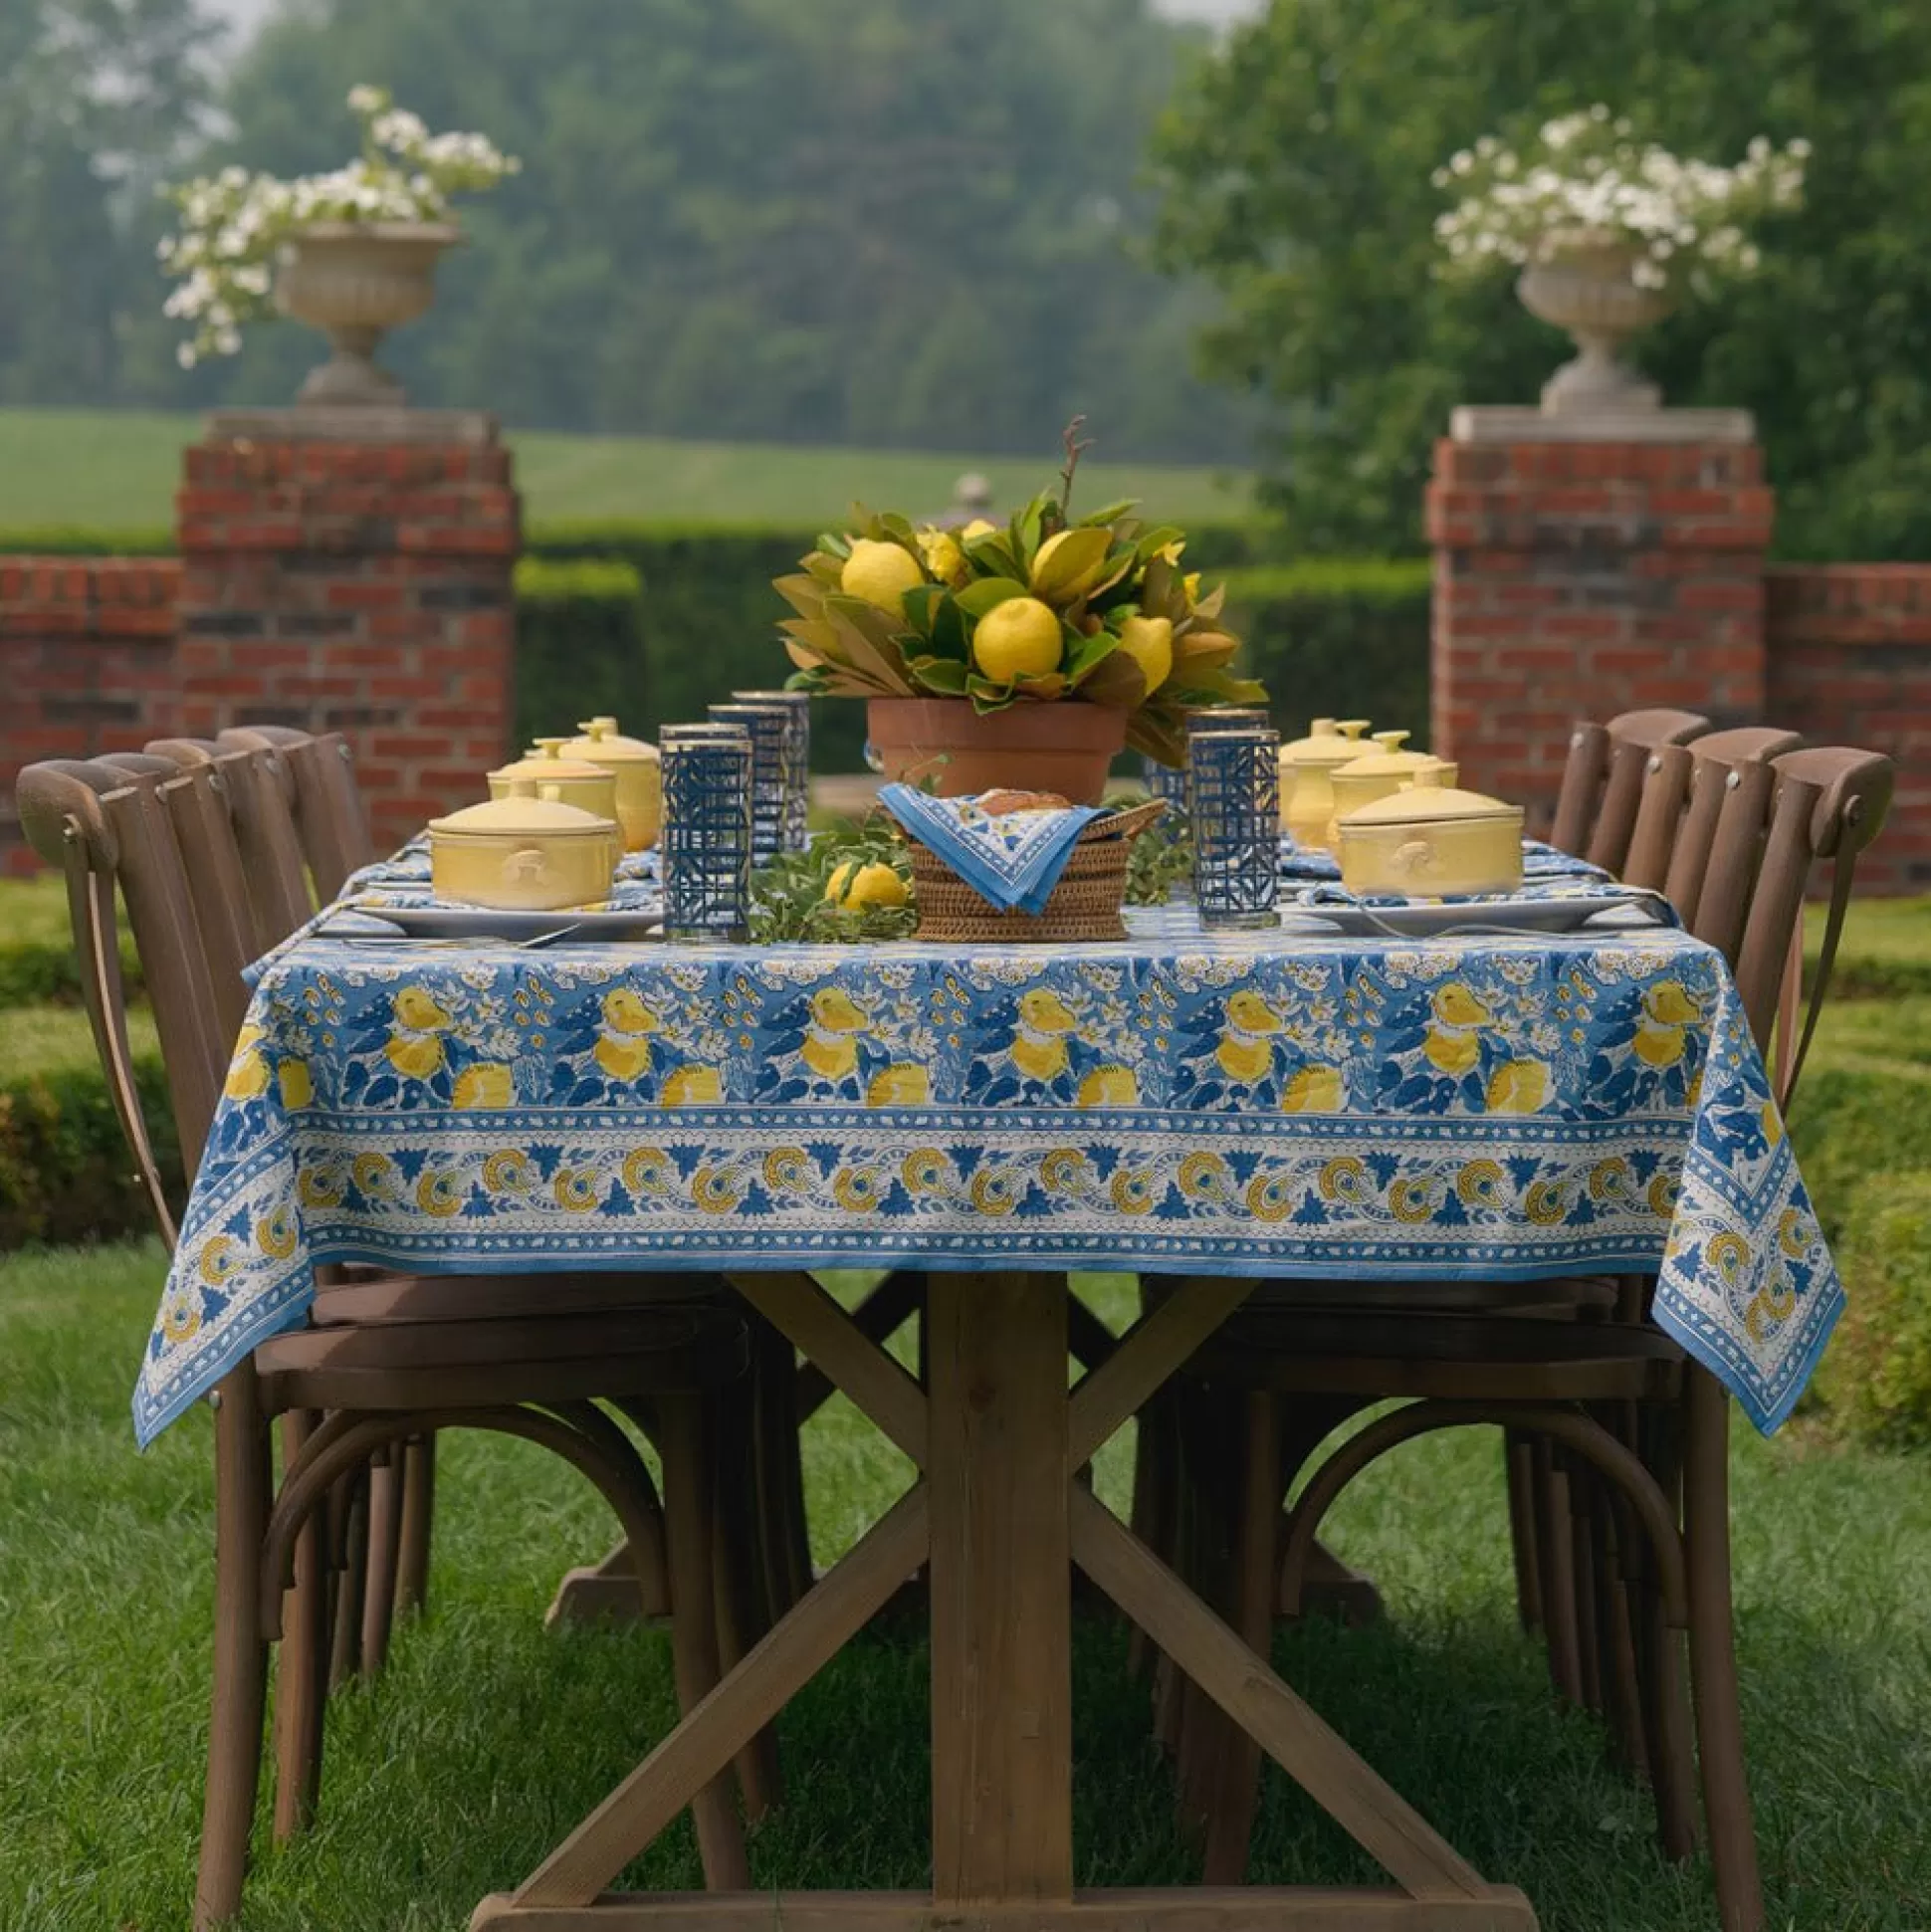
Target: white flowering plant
column 1586, row 180
column 234, row 224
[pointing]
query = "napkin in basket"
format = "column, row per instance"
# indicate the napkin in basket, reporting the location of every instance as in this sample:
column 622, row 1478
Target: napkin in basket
column 1012, row 859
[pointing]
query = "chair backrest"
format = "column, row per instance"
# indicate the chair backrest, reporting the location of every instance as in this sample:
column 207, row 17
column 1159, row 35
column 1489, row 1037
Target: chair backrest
column 1602, row 777
column 330, row 816
column 1776, row 823
column 104, row 827
column 1676, row 813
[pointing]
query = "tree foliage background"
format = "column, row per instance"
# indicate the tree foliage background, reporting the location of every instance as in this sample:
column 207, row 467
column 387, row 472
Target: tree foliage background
column 1296, row 166
column 879, row 222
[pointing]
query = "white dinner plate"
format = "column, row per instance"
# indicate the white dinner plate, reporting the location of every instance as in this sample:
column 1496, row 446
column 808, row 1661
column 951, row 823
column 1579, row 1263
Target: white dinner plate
column 490, row 923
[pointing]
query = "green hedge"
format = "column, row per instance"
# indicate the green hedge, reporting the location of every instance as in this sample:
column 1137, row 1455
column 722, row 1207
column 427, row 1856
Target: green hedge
column 75, row 539
column 1876, row 1376
column 1335, row 636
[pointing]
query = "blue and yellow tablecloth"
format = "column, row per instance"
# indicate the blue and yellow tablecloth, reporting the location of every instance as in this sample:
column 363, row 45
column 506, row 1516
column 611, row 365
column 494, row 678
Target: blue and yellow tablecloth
column 1254, row 1104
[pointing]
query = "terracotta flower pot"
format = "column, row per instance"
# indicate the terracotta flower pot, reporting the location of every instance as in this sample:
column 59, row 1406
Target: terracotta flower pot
column 1064, row 747
column 356, row 281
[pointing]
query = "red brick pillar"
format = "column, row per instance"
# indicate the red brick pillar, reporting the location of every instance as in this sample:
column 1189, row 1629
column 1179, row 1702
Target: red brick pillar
column 1585, row 568
column 351, row 571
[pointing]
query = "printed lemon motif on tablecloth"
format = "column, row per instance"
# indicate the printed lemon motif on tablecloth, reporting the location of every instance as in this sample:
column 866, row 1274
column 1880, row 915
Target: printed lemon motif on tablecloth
column 900, row 1086
column 248, row 1074
column 487, row 1084
column 507, row 1172
column 180, row 1314
column 1130, row 1190
column 1453, row 1040
column 1247, row 1048
column 1666, row 1012
column 1313, row 1090
column 648, row 1171
column 1109, row 1087
column 414, row 1047
column 856, row 1189
column 439, row 1192
column 1518, row 1087
column 220, row 1256
column 691, row 1087
column 298, row 1089
column 623, row 1041
column 275, row 1233
column 1038, row 1046
column 830, row 1049
column 575, row 1188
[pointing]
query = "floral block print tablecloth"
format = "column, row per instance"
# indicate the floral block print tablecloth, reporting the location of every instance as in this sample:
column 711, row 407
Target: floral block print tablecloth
column 1254, row 1104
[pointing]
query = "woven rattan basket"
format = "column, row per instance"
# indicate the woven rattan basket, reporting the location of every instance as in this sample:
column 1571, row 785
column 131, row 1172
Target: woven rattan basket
column 1085, row 904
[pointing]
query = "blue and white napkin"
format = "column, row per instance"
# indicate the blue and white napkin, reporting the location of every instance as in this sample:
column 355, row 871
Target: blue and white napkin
column 1013, row 861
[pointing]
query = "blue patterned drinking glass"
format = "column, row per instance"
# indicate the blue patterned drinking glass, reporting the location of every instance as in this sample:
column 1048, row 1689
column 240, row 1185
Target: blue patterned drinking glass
column 1199, row 724
column 1166, row 781
column 797, row 705
column 706, row 835
column 1235, row 782
column 768, row 728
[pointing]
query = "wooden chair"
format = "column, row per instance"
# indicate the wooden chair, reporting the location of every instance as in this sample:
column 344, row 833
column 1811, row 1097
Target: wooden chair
column 331, row 818
column 1603, row 781
column 1616, row 1397
column 385, row 1358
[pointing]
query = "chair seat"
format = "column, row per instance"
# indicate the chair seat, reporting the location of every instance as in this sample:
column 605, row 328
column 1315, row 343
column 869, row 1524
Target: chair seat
column 374, row 1297
column 1452, row 1356
column 549, row 1358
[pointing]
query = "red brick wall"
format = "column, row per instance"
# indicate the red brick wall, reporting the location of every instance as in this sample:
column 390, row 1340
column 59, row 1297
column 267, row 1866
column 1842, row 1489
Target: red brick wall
column 1849, row 650
column 356, row 587
column 1581, row 579
column 87, row 664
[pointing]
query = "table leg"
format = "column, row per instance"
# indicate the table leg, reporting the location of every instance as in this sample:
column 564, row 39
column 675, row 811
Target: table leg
column 1001, row 1667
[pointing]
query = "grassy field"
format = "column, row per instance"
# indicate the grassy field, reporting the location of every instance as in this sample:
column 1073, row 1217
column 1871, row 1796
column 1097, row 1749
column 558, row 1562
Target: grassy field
column 487, row 1737
column 107, row 470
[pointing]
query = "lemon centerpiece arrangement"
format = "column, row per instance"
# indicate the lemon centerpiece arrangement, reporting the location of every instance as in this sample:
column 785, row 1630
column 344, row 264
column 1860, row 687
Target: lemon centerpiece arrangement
column 1028, row 653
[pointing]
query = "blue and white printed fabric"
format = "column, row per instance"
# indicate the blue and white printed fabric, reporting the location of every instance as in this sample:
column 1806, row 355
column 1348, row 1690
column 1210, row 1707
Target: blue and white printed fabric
column 1012, row 860
column 1267, row 1103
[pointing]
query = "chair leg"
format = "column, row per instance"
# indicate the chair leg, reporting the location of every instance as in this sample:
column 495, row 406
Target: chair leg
column 689, row 1471
column 302, row 1664
column 346, row 1611
column 1554, row 1551
column 739, row 1588
column 241, row 1651
column 1230, row 1824
column 418, row 1518
column 384, row 1550
column 1520, row 1452
column 1712, row 1648
column 1581, row 1546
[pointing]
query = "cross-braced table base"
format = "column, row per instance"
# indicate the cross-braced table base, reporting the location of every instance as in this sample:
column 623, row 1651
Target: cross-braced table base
column 998, row 1518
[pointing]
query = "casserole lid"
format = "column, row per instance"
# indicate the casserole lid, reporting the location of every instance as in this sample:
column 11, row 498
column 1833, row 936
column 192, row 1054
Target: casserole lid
column 1389, row 761
column 1326, row 742
column 526, row 811
column 546, row 760
column 1427, row 801
column 603, row 744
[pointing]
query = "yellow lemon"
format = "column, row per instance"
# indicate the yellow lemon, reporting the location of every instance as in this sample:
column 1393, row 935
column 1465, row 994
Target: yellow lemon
column 1149, row 641
column 1020, row 638
column 1518, row 1087
column 247, row 1078
column 857, row 885
column 880, row 573
column 944, row 558
column 1070, row 563
column 298, row 1090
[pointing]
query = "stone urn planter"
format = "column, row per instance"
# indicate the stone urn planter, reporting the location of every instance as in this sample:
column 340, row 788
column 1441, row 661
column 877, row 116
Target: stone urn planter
column 1585, row 283
column 1064, row 747
column 354, row 282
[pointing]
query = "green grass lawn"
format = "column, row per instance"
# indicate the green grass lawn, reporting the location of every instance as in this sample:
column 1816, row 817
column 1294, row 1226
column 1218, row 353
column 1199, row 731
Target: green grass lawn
column 487, row 1736
column 103, row 469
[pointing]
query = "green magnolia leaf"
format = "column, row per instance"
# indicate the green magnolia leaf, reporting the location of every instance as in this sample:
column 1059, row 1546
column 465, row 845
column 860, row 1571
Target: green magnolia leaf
column 1110, row 514
column 1074, row 568
column 993, row 555
column 946, row 676
column 899, row 527
column 919, row 602
column 1158, row 738
column 1045, row 686
column 987, row 696
column 805, row 594
column 1029, row 531
column 1152, row 541
column 1083, row 652
column 1159, row 587
column 1209, row 607
column 837, row 546
column 987, row 595
column 1114, row 679
column 949, row 628
column 828, row 571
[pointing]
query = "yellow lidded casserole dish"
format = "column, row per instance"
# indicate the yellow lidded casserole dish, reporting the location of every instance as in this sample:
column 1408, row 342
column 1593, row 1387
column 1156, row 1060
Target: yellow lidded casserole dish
column 523, row 852
column 1307, row 765
column 1432, row 842
column 575, row 781
column 634, row 764
column 1380, row 774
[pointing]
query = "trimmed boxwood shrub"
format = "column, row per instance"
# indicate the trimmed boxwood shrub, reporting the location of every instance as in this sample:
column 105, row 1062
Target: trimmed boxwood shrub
column 1877, row 1377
